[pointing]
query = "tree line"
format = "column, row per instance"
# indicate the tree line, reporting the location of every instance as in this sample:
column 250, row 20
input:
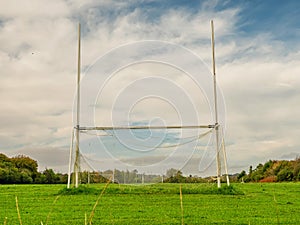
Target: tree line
column 273, row 171
column 24, row 170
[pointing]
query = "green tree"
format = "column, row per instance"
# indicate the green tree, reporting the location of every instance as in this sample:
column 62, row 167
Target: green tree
column 4, row 158
column 285, row 175
column 40, row 179
column 177, row 178
column 250, row 170
column 241, row 175
column 267, row 165
column 3, row 175
column 171, row 172
column 27, row 168
column 25, row 178
column 51, row 177
column 296, row 170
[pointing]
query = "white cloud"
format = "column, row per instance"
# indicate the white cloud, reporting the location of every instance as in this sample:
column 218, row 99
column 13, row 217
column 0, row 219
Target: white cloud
column 33, row 8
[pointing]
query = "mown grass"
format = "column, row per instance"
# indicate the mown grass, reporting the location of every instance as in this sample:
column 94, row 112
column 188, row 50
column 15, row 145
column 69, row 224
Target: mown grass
column 152, row 204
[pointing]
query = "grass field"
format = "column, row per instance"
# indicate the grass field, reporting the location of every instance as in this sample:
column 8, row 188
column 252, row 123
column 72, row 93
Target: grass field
column 255, row 203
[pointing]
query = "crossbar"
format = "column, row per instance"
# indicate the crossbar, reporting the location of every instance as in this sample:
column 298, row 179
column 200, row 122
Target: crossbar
column 144, row 127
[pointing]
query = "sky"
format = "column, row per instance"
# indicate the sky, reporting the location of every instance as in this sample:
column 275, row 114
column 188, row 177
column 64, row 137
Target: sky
column 149, row 62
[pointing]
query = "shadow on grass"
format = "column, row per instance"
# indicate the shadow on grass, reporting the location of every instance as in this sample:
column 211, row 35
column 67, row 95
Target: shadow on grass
column 153, row 189
column 81, row 190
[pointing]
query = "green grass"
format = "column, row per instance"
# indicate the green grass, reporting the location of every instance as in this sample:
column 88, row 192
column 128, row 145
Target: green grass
column 152, row 204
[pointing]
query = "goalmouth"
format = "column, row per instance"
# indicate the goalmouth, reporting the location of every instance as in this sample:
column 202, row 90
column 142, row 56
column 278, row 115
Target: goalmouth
column 75, row 140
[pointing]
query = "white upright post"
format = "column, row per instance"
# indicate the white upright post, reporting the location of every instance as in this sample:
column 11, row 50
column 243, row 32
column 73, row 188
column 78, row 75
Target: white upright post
column 225, row 161
column 77, row 154
column 216, row 106
column 70, row 159
column 113, row 176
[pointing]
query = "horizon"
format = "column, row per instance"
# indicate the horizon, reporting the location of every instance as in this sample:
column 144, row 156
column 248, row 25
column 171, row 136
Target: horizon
column 257, row 62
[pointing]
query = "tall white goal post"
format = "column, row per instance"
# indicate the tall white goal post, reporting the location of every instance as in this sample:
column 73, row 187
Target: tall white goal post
column 220, row 144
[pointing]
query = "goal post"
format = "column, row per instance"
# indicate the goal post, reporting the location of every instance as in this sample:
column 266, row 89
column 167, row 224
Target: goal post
column 74, row 160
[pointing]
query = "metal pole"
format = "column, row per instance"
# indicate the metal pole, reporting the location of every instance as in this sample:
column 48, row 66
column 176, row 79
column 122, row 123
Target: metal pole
column 146, row 127
column 225, row 161
column 70, row 159
column 113, row 176
column 77, row 156
column 216, row 105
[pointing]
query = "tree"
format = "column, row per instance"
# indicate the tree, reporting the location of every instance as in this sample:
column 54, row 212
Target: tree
column 25, row 178
column 285, row 175
column 4, row 158
column 27, row 168
column 171, row 172
column 51, row 177
column 40, row 179
column 177, row 178
column 241, row 175
column 250, row 170
column 296, row 171
column 22, row 161
column 3, row 175
column 267, row 165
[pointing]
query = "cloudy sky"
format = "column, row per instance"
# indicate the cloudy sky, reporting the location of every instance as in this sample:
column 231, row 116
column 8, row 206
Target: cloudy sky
column 131, row 46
